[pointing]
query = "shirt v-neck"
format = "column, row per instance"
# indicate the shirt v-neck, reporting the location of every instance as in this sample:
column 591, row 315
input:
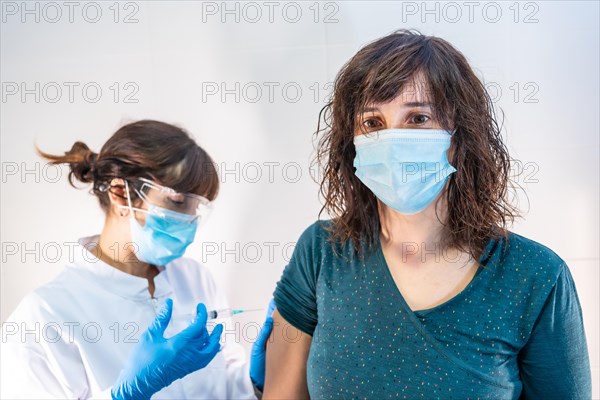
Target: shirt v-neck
column 476, row 280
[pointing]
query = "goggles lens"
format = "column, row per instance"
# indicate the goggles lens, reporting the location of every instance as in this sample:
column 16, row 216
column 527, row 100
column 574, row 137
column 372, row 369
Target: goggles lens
column 185, row 204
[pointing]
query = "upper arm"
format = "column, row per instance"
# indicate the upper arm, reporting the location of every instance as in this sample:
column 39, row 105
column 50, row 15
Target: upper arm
column 294, row 320
column 287, row 353
column 554, row 363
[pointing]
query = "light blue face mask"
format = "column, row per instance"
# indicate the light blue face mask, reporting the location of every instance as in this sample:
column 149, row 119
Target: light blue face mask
column 165, row 235
column 405, row 168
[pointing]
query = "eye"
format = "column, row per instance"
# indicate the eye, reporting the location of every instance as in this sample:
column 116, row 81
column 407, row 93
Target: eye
column 177, row 199
column 419, row 119
column 372, row 124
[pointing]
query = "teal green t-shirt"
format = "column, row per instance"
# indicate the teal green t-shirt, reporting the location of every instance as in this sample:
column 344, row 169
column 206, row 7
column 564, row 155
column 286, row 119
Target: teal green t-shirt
column 516, row 330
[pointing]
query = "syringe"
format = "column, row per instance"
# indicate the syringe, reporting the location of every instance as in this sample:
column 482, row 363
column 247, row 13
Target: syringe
column 227, row 312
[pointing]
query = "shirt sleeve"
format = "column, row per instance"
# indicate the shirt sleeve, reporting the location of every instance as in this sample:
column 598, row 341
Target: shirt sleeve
column 239, row 385
column 236, row 369
column 295, row 294
column 554, row 363
column 36, row 361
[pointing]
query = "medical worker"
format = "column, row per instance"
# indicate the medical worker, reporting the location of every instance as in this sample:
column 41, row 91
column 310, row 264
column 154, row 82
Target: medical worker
column 416, row 289
column 127, row 316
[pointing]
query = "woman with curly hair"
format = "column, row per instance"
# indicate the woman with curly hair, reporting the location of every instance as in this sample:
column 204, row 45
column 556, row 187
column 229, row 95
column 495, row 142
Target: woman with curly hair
column 416, row 288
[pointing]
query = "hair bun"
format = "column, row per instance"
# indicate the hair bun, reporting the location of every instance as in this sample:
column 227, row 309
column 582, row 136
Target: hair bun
column 81, row 160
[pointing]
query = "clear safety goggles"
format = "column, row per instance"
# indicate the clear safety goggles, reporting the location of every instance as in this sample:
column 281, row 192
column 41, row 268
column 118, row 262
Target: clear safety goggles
column 166, row 202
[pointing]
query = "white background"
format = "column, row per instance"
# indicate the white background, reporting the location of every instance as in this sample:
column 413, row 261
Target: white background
column 539, row 58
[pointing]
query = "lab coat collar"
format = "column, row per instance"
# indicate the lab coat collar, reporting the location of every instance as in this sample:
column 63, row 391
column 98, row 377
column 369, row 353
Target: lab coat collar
column 115, row 280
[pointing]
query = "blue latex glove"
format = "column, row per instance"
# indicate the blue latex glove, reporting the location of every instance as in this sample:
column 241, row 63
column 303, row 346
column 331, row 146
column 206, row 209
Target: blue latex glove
column 156, row 362
column 258, row 354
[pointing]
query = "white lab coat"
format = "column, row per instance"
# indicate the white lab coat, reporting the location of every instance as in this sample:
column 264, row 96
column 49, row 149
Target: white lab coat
column 71, row 337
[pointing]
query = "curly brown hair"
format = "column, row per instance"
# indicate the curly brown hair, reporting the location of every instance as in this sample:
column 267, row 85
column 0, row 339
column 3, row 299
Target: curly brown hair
column 477, row 195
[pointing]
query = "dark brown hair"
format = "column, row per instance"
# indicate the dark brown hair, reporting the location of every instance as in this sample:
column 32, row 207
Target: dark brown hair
column 477, row 194
column 144, row 149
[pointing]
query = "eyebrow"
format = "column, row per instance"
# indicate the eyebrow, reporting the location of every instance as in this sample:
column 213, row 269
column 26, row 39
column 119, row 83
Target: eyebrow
column 411, row 104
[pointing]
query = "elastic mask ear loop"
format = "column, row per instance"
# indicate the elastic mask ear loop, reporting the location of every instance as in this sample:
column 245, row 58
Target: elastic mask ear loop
column 131, row 208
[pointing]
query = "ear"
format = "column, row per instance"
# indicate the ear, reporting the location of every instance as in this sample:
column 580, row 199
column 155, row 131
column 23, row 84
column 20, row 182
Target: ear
column 117, row 193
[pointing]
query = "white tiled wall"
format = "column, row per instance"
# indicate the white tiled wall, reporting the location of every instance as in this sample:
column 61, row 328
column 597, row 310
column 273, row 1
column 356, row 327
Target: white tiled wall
column 177, row 49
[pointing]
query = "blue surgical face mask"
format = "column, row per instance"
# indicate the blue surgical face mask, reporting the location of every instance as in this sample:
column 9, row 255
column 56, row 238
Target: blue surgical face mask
column 405, row 168
column 165, row 235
